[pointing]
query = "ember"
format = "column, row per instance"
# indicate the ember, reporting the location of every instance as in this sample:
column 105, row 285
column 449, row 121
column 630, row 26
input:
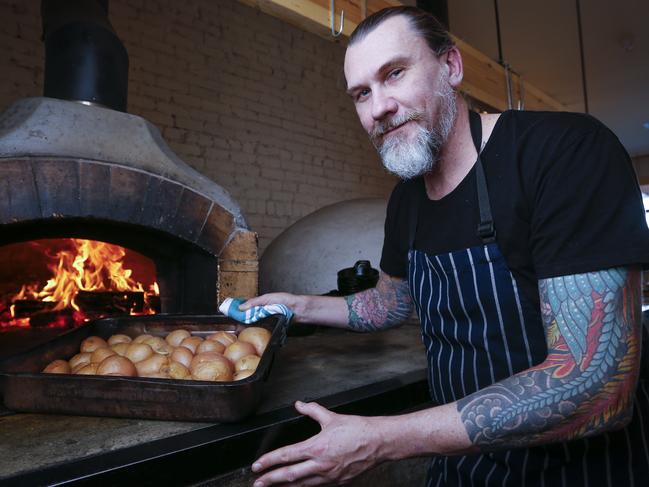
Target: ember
column 89, row 279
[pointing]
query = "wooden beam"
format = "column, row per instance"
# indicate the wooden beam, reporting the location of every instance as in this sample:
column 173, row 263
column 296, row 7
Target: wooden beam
column 314, row 15
column 484, row 79
column 310, row 15
column 536, row 99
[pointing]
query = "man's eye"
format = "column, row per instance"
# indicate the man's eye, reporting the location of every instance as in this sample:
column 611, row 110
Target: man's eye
column 395, row 73
column 362, row 94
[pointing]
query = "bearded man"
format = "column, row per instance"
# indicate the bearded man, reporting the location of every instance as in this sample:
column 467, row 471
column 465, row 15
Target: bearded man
column 519, row 239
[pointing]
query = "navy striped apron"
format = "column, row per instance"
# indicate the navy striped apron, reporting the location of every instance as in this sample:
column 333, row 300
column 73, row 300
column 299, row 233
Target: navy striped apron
column 478, row 328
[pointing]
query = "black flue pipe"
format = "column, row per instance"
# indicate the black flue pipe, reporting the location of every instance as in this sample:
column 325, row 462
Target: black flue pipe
column 84, row 59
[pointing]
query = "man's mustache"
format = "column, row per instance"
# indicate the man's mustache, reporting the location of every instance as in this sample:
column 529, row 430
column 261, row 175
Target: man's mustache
column 392, row 123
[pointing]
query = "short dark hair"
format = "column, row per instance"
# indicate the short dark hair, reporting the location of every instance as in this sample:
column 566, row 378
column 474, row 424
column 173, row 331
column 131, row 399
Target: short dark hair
column 424, row 24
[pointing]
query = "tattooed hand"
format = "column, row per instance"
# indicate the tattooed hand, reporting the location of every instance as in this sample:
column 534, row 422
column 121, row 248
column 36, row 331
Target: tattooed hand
column 586, row 383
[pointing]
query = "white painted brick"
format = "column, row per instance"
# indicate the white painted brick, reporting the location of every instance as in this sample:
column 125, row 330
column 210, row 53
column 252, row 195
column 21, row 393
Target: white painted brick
column 253, row 103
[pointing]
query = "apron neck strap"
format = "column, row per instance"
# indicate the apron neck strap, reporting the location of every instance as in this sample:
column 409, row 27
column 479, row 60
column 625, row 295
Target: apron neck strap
column 486, row 230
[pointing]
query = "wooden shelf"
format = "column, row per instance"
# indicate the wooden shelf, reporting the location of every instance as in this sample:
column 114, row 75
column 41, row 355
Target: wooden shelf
column 313, row 15
column 484, row 78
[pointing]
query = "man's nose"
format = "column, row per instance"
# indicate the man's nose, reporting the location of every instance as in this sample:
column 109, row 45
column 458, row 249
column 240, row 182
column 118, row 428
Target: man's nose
column 382, row 105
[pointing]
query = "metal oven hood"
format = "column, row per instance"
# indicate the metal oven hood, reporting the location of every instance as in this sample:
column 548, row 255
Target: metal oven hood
column 48, row 127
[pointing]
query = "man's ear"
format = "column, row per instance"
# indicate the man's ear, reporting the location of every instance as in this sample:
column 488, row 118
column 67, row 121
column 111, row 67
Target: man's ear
column 454, row 66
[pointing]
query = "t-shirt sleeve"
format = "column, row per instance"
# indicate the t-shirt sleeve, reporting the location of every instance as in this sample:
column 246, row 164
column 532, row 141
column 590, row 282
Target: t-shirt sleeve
column 394, row 256
column 587, row 208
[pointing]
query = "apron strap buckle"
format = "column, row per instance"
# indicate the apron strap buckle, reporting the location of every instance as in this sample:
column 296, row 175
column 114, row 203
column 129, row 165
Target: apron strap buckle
column 487, row 231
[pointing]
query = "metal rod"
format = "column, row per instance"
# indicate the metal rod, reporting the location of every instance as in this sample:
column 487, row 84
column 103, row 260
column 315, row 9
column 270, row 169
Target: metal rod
column 500, row 46
column 521, row 93
column 581, row 55
column 508, row 79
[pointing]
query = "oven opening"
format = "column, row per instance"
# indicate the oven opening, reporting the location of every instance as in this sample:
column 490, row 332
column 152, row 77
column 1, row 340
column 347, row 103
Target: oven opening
column 64, row 282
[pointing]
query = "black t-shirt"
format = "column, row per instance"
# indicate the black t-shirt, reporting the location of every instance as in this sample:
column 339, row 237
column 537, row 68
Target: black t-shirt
column 564, row 198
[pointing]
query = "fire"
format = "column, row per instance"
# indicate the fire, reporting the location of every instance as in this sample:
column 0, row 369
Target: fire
column 88, row 266
column 91, row 266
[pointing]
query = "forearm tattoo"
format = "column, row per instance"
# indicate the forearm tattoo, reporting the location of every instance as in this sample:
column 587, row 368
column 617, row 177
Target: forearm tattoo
column 386, row 305
column 586, row 383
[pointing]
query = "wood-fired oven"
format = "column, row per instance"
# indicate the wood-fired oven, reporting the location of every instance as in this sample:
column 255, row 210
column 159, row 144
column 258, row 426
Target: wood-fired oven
column 72, row 165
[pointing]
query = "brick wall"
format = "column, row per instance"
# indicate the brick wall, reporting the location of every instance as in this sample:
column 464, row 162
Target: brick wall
column 253, row 103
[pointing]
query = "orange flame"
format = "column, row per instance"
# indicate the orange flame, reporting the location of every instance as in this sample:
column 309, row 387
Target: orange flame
column 90, row 266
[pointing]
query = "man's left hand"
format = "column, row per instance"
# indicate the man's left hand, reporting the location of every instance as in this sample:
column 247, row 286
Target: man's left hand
column 345, row 447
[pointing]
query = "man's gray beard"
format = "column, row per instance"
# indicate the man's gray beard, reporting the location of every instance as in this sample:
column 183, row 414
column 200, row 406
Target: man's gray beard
column 409, row 159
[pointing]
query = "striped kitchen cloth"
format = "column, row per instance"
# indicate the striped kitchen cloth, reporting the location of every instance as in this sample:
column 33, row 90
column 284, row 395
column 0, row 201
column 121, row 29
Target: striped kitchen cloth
column 230, row 307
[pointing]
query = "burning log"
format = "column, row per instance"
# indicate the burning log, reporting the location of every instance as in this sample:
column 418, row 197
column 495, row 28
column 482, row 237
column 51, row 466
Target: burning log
column 100, row 302
column 155, row 305
column 23, row 308
column 89, row 281
column 65, row 318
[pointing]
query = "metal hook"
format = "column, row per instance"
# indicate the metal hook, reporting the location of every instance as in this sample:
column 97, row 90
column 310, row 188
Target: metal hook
column 508, row 82
column 333, row 19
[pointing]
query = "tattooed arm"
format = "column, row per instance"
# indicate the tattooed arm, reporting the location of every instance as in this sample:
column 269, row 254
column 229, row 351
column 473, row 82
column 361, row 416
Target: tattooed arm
column 585, row 386
column 383, row 306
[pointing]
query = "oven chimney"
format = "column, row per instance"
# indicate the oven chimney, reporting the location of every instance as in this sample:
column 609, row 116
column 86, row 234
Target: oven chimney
column 84, row 59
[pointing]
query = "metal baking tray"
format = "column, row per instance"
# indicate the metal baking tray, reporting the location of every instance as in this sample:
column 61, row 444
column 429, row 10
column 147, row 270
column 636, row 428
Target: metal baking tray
column 25, row 388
